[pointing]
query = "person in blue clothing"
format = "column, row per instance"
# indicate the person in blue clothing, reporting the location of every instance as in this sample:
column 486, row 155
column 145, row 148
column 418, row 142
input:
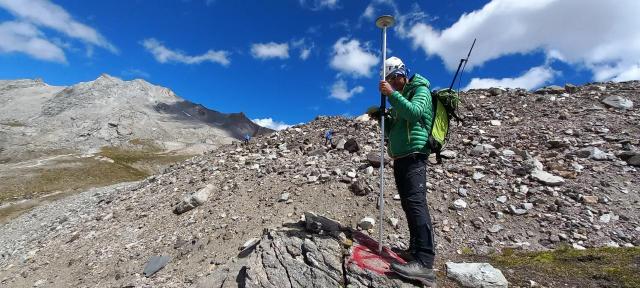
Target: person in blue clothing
column 246, row 138
column 328, row 137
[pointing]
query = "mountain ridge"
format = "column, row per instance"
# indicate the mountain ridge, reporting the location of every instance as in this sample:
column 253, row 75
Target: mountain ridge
column 110, row 111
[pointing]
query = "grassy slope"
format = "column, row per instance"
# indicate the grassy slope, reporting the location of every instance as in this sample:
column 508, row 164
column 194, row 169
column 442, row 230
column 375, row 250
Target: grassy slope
column 129, row 164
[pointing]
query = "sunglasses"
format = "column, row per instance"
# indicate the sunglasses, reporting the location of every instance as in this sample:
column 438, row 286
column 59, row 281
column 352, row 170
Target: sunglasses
column 394, row 76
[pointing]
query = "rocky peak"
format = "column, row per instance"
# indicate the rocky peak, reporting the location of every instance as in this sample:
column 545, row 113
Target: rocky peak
column 21, row 83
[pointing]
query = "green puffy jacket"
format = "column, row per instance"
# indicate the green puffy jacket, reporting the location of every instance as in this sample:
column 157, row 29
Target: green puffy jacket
column 406, row 131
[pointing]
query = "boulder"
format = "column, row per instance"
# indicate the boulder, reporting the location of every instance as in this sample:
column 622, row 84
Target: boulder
column 314, row 222
column 194, row 200
column 570, row 88
column 496, row 91
column 593, row 153
column 360, row 188
column 553, row 89
column 477, row 275
column 634, row 161
column 367, row 223
column 547, row 178
column 374, row 159
column 618, row 102
column 448, row 154
column 340, row 144
column 154, row 265
column 283, row 197
column 459, row 204
column 351, row 145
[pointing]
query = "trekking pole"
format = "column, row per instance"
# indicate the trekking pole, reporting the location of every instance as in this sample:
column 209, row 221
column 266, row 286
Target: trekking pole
column 382, row 22
column 461, row 62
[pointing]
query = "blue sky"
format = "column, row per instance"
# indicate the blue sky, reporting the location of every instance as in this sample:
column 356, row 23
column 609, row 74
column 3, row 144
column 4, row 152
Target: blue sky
column 285, row 62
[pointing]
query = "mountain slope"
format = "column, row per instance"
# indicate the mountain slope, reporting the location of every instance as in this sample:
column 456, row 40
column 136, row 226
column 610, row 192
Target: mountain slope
column 108, row 111
column 58, row 139
column 490, row 196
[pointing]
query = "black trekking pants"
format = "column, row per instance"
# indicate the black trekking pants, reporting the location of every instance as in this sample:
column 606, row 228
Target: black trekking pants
column 410, row 173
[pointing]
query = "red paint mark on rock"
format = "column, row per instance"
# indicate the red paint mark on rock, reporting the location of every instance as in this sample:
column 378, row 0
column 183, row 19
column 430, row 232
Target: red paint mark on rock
column 364, row 254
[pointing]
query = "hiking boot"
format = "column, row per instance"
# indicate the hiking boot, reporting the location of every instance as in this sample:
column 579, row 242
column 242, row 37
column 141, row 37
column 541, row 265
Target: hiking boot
column 406, row 255
column 414, row 270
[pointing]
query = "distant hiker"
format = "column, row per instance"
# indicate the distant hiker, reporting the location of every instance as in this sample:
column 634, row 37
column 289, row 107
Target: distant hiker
column 406, row 126
column 246, row 139
column 328, row 137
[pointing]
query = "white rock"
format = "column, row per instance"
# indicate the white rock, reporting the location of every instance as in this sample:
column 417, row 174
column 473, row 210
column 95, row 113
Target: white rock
column 618, row 102
column 194, row 200
column 613, row 244
column 448, row 154
column 459, row 204
column 508, row 153
column 369, row 170
column 249, row 244
column 462, row 192
column 477, row 275
column 367, row 223
column 578, row 246
column 606, row 218
column 547, row 178
column 394, row 222
column 502, row 199
column 284, row 197
column 495, row 123
column 495, row 228
column 477, row 176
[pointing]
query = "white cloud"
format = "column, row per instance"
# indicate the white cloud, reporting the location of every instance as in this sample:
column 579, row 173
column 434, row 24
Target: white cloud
column 165, row 55
column 305, row 50
column 46, row 14
column 579, row 32
column 319, row 4
column 535, row 77
column 270, row 50
column 26, row 38
column 369, row 12
column 388, row 7
column 340, row 91
column 304, row 53
column 349, row 57
column 269, row 123
column 632, row 73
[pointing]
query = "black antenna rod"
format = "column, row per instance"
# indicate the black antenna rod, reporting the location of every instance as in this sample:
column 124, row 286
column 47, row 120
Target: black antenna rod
column 462, row 61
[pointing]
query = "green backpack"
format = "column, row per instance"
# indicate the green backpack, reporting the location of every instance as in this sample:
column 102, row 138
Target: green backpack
column 445, row 103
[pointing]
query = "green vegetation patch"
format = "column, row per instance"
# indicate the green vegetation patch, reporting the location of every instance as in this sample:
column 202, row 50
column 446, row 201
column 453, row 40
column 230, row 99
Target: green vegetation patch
column 141, row 157
column 596, row 267
column 77, row 176
column 130, row 163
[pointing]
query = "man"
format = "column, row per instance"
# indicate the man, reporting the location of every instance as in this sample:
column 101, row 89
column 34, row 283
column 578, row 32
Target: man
column 407, row 126
column 328, row 137
column 246, row 139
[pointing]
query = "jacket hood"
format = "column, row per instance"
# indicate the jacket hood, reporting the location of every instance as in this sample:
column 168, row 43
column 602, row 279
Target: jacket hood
column 416, row 81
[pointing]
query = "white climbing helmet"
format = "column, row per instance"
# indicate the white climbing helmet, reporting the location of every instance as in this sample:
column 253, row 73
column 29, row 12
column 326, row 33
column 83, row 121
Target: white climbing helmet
column 394, row 65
